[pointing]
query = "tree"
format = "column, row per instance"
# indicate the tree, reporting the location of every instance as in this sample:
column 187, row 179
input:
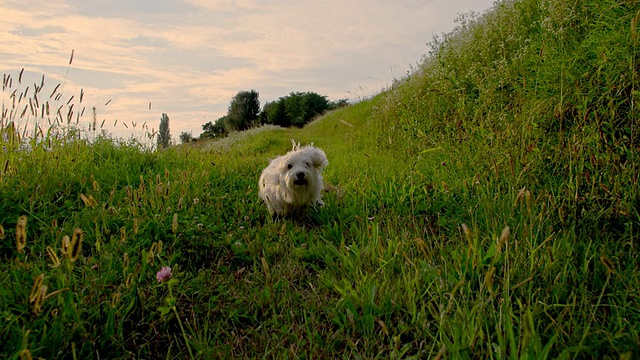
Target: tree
column 164, row 136
column 301, row 108
column 333, row 105
column 217, row 130
column 243, row 111
column 316, row 104
column 274, row 113
column 295, row 108
column 186, row 137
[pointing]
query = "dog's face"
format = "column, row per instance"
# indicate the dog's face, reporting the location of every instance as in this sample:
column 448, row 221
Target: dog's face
column 293, row 181
column 302, row 167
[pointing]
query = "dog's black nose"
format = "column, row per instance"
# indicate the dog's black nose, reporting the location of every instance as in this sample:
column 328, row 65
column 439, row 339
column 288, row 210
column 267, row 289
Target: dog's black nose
column 300, row 175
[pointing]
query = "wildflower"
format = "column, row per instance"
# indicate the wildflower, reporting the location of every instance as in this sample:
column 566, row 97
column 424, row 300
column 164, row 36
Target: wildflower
column 164, row 274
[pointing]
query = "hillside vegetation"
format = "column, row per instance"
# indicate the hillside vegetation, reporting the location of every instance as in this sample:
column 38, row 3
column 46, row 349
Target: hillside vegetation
column 485, row 206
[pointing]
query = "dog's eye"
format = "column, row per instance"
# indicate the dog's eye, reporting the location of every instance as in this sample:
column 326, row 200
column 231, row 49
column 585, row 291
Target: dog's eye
column 308, row 165
column 289, row 166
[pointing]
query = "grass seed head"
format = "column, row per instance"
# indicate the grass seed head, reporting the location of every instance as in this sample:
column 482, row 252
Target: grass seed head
column 634, row 24
column 135, row 225
column 504, row 237
column 174, row 223
column 37, row 282
column 488, row 279
column 38, row 301
column 422, row 246
column 84, row 199
column 66, row 243
column 25, row 354
column 611, row 269
column 52, row 255
column 76, row 245
column 128, row 281
column 115, row 300
column 21, row 233
column 520, row 195
column 467, row 233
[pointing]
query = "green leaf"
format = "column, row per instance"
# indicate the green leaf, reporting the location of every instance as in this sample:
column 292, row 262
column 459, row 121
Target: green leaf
column 164, row 310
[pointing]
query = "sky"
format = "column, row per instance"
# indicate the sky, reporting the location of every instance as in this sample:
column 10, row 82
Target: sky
column 134, row 60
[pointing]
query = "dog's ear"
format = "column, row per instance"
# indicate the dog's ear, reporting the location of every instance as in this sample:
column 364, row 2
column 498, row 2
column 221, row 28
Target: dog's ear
column 295, row 146
column 318, row 158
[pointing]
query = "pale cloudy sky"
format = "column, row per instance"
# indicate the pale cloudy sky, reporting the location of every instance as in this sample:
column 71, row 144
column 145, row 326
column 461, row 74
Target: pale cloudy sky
column 188, row 58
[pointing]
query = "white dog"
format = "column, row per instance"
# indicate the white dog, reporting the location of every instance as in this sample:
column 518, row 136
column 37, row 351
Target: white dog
column 293, row 181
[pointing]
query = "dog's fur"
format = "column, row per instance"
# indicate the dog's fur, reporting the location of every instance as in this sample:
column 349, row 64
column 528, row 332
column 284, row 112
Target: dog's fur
column 293, row 181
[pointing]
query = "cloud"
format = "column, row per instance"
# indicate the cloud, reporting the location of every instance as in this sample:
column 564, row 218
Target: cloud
column 188, row 58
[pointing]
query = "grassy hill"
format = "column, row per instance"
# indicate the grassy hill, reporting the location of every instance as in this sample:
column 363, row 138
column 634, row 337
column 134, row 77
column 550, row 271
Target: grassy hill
column 487, row 205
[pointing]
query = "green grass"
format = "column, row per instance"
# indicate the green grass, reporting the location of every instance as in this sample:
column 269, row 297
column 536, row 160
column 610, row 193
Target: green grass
column 486, row 206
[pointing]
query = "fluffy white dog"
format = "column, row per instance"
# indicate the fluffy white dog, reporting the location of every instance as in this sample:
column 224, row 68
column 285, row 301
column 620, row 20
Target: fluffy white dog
column 293, row 181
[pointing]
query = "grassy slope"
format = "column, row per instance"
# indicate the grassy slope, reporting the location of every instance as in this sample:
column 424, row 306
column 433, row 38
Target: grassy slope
column 521, row 125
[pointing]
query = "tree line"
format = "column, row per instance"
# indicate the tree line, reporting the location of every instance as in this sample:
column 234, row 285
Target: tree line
column 295, row 109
